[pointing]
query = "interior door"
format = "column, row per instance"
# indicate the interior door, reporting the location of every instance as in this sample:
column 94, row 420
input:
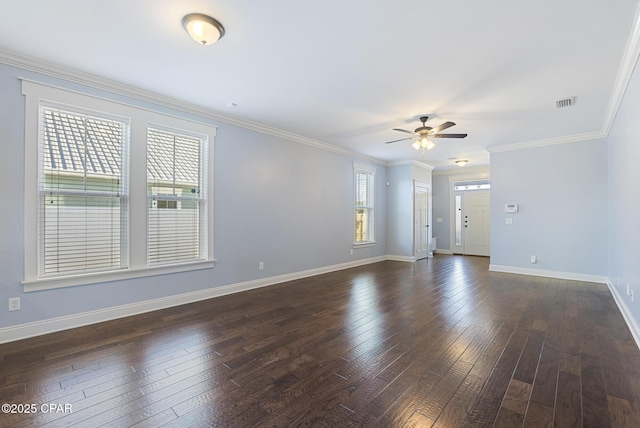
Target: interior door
column 422, row 234
column 475, row 209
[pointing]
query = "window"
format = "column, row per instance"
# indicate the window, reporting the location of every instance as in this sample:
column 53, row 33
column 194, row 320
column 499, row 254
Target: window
column 112, row 191
column 82, row 213
column 458, row 214
column 472, row 185
column 177, row 207
column 364, row 210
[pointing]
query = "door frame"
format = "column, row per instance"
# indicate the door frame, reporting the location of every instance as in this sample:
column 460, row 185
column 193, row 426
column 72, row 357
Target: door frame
column 422, row 185
column 452, row 207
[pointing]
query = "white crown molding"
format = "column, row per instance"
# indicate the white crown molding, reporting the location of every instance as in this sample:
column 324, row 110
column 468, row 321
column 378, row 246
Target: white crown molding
column 548, row 142
column 412, row 162
column 627, row 65
column 625, row 71
column 100, row 83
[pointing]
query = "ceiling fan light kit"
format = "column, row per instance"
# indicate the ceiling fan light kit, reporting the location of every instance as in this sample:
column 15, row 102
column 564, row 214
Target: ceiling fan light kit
column 424, row 133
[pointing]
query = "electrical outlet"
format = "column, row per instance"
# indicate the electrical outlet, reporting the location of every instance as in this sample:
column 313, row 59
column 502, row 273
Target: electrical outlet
column 351, row 252
column 632, row 295
column 261, row 265
column 14, row 304
column 628, row 290
column 534, row 259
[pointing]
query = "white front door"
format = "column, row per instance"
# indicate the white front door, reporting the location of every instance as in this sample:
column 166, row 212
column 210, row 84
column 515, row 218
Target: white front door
column 476, row 222
column 422, row 234
column 471, row 223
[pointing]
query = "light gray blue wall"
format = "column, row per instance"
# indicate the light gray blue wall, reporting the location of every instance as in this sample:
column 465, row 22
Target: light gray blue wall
column 623, row 163
column 561, row 191
column 400, row 211
column 400, row 207
column 284, row 203
column 441, row 210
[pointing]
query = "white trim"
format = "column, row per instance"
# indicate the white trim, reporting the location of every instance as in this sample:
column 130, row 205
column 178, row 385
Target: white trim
column 574, row 276
column 100, row 83
column 357, row 166
column 627, row 65
column 409, row 259
column 626, row 313
column 370, row 170
column 117, row 275
column 365, row 244
column 547, row 142
column 439, row 251
column 412, row 162
column 38, row 328
column 140, row 119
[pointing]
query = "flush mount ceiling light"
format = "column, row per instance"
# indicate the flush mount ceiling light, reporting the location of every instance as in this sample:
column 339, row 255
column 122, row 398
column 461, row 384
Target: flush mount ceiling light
column 202, row 28
column 462, row 162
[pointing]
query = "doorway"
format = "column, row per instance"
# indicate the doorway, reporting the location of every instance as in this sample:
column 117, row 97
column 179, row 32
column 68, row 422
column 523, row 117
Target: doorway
column 471, row 223
column 422, row 234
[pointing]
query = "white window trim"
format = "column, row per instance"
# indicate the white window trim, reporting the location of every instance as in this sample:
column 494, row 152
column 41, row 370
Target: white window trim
column 369, row 169
column 141, row 118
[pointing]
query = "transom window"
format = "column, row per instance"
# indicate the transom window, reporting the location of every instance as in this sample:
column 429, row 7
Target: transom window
column 471, row 185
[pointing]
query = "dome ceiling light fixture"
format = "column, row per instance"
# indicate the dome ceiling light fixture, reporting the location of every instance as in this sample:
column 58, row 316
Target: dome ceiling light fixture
column 462, row 162
column 204, row 29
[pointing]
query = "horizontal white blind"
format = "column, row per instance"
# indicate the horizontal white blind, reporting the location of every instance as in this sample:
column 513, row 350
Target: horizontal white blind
column 176, row 203
column 83, row 207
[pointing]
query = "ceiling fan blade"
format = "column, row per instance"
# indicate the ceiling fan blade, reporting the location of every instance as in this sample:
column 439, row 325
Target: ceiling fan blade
column 442, row 127
column 402, row 130
column 449, row 135
column 401, row 139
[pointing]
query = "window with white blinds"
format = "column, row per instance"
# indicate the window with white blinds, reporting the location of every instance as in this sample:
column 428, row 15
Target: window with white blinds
column 363, row 204
column 176, row 196
column 113, row 191
column 83, row 192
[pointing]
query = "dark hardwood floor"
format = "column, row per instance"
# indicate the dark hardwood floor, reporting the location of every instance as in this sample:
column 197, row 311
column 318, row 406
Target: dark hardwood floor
column 442, row 342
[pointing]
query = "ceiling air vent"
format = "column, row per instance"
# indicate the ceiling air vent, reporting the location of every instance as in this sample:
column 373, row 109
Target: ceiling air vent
column 566, row 102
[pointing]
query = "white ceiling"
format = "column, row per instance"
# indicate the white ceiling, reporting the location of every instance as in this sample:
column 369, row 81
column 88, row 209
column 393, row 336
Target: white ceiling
column 345, row 72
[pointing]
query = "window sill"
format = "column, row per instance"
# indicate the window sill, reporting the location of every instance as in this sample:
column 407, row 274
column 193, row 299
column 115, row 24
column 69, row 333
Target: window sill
column 95, row 278
column 365, row 244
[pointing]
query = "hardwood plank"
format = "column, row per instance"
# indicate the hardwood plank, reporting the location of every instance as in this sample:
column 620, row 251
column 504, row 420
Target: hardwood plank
column 440, row 342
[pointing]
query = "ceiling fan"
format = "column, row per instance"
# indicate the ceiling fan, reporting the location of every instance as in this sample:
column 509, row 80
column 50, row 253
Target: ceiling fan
column 424, row 133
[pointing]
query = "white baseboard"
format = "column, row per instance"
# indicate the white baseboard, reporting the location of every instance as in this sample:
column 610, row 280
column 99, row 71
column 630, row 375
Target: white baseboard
column 38, row 328
column 408, row 259
column 439, row 251
column 626, row 313
column 549, row 273
column 617, row 297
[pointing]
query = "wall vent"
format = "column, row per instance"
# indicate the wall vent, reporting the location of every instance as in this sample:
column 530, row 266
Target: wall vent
column 566, row 102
